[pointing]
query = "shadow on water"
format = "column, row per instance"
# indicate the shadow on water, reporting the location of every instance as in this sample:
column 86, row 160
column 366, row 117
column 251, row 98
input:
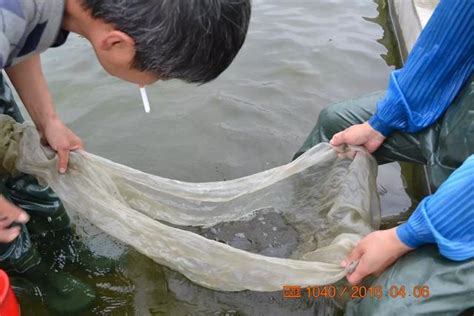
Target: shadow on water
column 389, row 40
column 126, row 282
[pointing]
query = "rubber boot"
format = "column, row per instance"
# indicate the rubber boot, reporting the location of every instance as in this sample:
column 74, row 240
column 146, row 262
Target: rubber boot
column 50, row 226
column 8, row 105
column 39, row 201
column 63, row 292
column 20, row 255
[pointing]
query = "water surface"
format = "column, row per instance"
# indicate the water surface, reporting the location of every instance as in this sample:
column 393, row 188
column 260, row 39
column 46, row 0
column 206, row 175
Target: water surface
column 300, row 56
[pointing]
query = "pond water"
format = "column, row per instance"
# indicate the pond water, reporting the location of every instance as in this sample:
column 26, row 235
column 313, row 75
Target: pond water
column 300, row 56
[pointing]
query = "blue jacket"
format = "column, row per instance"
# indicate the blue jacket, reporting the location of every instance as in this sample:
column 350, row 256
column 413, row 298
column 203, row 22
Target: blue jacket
column 418, row 94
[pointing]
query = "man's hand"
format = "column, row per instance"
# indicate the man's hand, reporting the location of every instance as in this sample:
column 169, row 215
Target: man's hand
column 10, row 214
column 360, row 134
column 28, row 79
column 62, row 140
column 375, row 253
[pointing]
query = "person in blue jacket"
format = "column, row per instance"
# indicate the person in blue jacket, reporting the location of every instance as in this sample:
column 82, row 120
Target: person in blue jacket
column 409, row 124
column 138, row 41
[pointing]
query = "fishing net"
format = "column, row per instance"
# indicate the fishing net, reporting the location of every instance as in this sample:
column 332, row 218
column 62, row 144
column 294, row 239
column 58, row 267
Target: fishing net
column 290, row 225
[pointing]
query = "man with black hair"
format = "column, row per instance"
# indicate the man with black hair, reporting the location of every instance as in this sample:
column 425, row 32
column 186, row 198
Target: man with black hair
column 140, row 41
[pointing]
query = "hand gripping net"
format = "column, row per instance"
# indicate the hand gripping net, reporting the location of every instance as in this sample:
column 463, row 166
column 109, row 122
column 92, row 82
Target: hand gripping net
column 294, row 223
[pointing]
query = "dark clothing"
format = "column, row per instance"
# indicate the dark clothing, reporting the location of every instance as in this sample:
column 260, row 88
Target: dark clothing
column 40, row 202
column 443, row 146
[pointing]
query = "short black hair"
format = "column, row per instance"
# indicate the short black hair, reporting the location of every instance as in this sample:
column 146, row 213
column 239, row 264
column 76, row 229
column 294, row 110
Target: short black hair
column 191, row 40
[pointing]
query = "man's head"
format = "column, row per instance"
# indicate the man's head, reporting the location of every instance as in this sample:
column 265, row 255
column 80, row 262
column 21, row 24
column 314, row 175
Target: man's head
column 145, row 40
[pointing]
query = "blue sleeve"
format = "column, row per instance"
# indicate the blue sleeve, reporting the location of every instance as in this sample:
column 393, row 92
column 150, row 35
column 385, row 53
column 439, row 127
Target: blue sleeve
column 439, row 64
column 446, row 217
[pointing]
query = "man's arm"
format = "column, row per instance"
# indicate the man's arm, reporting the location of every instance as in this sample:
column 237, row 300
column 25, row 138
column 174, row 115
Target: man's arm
column 419, row 93
column 29, row 82
column 445, row 218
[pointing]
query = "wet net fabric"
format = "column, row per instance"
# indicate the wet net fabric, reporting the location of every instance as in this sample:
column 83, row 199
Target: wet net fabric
column 291, row 225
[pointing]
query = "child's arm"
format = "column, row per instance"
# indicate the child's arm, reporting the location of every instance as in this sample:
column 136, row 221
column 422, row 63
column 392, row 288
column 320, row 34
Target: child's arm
column 29, row 82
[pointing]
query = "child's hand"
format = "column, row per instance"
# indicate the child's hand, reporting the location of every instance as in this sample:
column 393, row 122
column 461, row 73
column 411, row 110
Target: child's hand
column 10, row 214
column 60, row 138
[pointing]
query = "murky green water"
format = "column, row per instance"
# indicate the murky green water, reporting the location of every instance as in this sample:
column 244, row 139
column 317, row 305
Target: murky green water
column 300, row 56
